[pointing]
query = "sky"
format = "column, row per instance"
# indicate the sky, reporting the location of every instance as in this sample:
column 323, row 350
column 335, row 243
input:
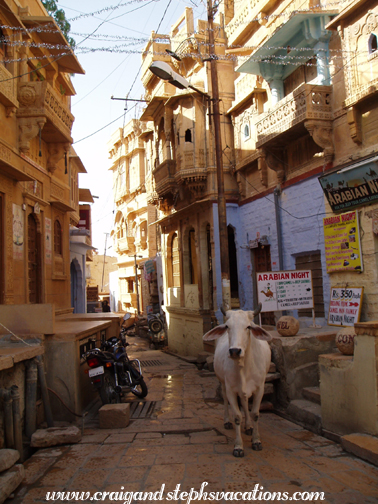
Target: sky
column 109, row 40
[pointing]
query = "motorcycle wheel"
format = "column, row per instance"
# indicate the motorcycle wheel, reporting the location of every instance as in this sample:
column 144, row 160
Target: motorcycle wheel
column 107, row 391
column 139, row 389
column 155, row 325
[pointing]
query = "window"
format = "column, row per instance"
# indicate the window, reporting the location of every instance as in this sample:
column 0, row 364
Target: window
column 313, row 262
column 2, row 44
column 57, row 238
column 175, row 262
column 188, row 135
column 373, row 45
column 246, row 131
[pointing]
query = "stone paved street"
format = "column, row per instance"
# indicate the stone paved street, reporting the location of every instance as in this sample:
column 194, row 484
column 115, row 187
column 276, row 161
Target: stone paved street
column 184, row 442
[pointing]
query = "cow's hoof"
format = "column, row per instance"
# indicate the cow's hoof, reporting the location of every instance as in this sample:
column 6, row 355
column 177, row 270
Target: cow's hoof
column 238, row 452
column 257, row 446
column 249, row 431
column 228, row 425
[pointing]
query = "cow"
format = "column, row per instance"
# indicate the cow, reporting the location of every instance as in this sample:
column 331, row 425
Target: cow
column 241, row 362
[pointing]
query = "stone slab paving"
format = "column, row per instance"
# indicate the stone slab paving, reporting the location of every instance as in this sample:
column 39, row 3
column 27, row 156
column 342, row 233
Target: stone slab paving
column 184, row 443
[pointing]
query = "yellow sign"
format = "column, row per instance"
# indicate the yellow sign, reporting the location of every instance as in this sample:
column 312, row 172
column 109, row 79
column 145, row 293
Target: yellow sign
column 342, row 242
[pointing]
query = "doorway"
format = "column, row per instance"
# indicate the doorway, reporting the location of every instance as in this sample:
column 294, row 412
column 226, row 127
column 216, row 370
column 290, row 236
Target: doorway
column 34, row 261
column 234, row 278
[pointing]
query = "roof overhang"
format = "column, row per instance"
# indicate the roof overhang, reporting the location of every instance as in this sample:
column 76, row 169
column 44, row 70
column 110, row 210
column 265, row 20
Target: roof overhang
column 50, row 33
column 350, row 9
column 301, row 32
column 85, row 196
column 153, row 105
column 12, row 16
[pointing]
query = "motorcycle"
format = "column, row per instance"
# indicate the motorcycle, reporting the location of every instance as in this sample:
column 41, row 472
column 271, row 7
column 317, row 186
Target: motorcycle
column 112, row 372
column 156, row 330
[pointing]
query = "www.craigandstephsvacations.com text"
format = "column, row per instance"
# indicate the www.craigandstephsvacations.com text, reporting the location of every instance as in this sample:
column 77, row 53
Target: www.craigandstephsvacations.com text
column 256, row 494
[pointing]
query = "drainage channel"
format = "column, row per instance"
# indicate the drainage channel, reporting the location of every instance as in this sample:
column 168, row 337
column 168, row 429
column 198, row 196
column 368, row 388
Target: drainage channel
column 142, row 409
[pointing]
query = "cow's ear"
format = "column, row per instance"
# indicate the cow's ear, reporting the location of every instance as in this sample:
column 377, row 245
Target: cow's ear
column 260, row 333
column 215, row 333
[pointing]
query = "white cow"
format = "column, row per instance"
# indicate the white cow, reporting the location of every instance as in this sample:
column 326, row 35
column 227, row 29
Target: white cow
column 241, row 363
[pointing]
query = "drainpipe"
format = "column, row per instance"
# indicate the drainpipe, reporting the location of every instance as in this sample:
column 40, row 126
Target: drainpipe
column 277, row 192
column 31, row 398
column 5, row 395
column 44, row 392
column 17, row 428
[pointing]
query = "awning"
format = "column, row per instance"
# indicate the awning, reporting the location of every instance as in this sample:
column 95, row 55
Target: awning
column 292, row 42
column 85, row 196
column 51, row 34
column 149, row 111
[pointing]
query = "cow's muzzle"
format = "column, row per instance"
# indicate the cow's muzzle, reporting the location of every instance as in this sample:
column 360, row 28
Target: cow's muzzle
column 235, row 353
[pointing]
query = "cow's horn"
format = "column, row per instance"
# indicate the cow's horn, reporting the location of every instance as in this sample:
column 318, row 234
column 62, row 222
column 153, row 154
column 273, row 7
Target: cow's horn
column 223, row 310
column 258, row 310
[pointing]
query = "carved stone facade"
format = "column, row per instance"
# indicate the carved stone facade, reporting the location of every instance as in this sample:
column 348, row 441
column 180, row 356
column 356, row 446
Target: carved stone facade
column 36, row 185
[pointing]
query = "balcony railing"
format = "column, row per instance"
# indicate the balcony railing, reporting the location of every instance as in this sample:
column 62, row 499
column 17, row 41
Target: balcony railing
column 164, row 174
column 8, row 88
column 306, row 102
column 37, row 100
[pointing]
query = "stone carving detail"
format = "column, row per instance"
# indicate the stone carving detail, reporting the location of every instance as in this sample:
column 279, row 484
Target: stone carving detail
column 27, row 95
column 262, row 168
column 321, row 132
column 56, row 153
column 57, row 192
column 275, row 163
column 8, row 95
column 28, row 129
column 354, row 122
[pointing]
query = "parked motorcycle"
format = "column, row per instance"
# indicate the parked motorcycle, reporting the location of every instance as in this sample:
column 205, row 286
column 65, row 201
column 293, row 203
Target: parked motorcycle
column 112, row 372
column 156, row 330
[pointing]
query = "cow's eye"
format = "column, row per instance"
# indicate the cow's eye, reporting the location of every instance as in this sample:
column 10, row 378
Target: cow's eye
column 226, row 326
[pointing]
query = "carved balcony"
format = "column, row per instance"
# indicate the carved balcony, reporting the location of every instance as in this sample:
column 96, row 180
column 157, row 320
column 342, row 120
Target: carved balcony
column 307, row 104
column 164, row 174
column 8, row 90
column 41, row 107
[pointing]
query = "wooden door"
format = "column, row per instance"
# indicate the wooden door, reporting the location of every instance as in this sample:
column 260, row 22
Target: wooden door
column 262, row 262
column 34, row 257
column 1, row 250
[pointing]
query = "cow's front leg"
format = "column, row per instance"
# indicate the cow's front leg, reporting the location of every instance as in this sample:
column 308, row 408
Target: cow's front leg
column 233, row 400
column 248, row 422
column 226, row 416
column 257, row 397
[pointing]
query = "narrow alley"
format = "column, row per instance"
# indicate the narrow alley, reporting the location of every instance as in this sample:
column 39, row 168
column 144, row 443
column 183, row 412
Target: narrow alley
column 178, row 438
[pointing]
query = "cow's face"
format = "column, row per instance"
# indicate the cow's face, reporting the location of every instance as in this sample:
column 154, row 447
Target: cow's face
column 239, row 327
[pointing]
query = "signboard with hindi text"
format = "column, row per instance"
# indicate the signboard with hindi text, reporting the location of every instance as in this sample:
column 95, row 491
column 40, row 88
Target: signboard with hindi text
column 342, row 242
column 285, row 290
column 345, row 306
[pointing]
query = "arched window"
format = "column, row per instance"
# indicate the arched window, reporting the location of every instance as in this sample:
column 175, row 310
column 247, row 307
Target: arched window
column 188, row 135
column 246, row 131
column 373, row 43
column 58, row 248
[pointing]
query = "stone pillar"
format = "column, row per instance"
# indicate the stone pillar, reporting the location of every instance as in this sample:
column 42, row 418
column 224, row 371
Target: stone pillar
column 349, row 385
column 277, row 90
column 321, row 49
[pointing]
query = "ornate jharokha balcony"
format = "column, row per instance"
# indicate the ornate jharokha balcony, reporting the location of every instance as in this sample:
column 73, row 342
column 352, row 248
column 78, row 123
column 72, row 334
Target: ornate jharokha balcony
column 164, row 174
column 40, row 105
column 308, row 102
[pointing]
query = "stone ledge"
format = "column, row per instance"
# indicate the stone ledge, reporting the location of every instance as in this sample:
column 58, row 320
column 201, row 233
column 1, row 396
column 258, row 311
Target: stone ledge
column 363, row 446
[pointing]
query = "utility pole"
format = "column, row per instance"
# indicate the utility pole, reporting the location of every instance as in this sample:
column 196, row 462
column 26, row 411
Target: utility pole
column 136, row 283
column 103, row 266
column 222, row 216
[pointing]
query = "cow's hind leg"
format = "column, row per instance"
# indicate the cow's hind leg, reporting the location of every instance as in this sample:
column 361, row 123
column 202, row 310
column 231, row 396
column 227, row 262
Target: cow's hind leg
column 233, row 400
column 226, row 417
column 257, row 397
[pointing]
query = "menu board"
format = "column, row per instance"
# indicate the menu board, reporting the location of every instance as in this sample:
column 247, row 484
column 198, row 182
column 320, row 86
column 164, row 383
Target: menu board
column 342, row 243
column 285, row 290
column 345, row 306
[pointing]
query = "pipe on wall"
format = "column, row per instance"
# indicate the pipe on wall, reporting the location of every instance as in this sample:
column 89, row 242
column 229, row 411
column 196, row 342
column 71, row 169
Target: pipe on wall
column 17, row 426
column 6, row 396
column 31, row 398
column 44, row 391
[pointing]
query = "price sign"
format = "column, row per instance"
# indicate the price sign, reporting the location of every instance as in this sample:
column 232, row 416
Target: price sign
column 345, row 306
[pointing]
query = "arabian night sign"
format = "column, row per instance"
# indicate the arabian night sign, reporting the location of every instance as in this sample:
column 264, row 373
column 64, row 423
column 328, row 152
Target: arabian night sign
column 353, row 186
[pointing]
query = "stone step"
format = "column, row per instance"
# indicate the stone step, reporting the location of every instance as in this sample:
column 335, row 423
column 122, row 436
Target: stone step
column 306, row 413
column 362, row 445
column 312, row 394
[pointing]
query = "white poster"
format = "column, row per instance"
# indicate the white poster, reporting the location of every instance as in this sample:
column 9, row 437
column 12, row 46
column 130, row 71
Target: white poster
column 285, row 290
column 18, row 232
column 345, row 306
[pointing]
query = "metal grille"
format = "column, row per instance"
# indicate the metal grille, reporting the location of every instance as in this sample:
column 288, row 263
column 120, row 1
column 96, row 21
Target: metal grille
column 147, row 363
column 142, row 409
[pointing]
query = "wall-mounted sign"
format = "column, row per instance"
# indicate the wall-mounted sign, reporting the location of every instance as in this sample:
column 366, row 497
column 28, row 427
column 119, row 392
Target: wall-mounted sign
column 345, row 306
column 342, row 243
column 285, row 290
column 353, row 187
